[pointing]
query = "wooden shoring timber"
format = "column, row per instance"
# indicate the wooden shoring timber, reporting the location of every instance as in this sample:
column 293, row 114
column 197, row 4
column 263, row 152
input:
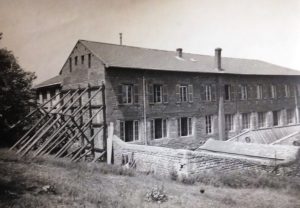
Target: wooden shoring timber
column 84, row 154
column 78, row 111
column 90, row 115
column 85, row 127
column 49, row 140
column 35, row 140
column 58, row 122
column 99, row 156
column 55, row 134
column 33, row 127
column 31, row 139
column 59, row 141
column 34, row 111
column 84, row 146
column 104, row 118
column 47, row 148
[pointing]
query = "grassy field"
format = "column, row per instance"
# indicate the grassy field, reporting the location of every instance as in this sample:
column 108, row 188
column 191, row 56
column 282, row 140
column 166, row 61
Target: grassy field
column 45, row 182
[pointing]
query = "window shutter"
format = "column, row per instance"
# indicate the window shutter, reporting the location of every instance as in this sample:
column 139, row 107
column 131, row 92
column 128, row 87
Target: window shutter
column 213, row 92
column 232, row 92
column 292, row 90
column 136, row 130
column 177, row 93
column 165, row 93
column 178, row 127
column 164, row 127
column 202, row 92
column 120, row 94
column 152, row 129
column 122, row 130
column 280, row 91
column 190, row 93
column 136, row 94
column 239, row 92
column 150, row 94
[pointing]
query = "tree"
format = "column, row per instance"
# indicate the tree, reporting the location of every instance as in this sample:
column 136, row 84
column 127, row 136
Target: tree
column 16, row 95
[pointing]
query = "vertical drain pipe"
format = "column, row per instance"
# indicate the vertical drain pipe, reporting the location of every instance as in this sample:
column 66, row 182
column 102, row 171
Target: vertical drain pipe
column 145, row 119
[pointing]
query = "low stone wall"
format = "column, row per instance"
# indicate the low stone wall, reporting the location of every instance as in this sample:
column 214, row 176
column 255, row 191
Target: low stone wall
column 166, row 161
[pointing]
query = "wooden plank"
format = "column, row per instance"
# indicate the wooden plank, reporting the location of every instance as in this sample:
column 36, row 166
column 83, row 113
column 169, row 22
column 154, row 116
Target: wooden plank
column 110, row 142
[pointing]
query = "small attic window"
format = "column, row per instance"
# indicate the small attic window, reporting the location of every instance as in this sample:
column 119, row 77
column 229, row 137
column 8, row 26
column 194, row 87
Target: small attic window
column 89, row 60
column 70, row 64
column 76, row 60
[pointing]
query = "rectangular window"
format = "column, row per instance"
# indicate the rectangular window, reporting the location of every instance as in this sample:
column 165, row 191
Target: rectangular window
column 290, row 114
column 276, row 118
column 261, row 119
column 227, row 89
column 273, row 92
column 184, row 126
column 259, row 92
column 208, row 124
column 287, row 90
column 157, row 89
column 89, row 60
column 158, row 128
column 129, row 130
column 245, row 120
column 127, row 94
column 52, row 94
column 208, row 92
column 44, row 97
column 76, row 60
column 244, row 92
column 70, row 64
column 82, row 59
column 229, row 122
column 183, row 93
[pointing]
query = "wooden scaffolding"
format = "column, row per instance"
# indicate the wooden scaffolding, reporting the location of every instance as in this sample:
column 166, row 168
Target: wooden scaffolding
column 68, row 125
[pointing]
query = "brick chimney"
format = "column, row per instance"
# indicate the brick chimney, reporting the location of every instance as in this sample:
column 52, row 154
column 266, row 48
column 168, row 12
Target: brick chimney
column 179, row 52
column 218, row 58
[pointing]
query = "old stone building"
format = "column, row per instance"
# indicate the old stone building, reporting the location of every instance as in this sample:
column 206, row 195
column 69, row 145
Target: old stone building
column 175, row 98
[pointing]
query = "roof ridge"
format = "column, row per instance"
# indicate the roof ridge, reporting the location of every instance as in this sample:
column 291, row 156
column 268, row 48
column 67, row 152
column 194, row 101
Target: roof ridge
column 138, row 47
column 164, row 50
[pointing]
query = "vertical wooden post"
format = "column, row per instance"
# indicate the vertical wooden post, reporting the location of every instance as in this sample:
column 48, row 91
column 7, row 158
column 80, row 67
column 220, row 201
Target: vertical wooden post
column 90, row 116
column 104, row 118
column 81, row 117
column 296, row 105
column 110, row 142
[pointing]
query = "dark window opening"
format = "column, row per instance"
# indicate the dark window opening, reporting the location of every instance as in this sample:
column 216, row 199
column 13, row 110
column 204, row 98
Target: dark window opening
column 157, row 89
column 129, row 130
column 76, row 60
column 89, row 60
column 184, row 126
column 158, row 128
column 227, row 92
column 82, row 59
column 70, row 64
column 275, row 118
column 183, row 93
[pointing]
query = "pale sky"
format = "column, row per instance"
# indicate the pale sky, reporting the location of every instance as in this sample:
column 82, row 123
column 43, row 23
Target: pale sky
column 42, row 33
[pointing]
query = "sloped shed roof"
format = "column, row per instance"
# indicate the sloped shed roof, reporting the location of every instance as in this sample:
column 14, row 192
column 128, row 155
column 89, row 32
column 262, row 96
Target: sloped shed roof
column 52, row 81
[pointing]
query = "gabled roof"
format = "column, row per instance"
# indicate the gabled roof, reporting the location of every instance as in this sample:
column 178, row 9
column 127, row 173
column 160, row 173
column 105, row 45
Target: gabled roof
column 142, row 58
column 57, row 80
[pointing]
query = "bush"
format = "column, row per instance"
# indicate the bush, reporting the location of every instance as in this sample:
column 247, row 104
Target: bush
column 156, row 194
